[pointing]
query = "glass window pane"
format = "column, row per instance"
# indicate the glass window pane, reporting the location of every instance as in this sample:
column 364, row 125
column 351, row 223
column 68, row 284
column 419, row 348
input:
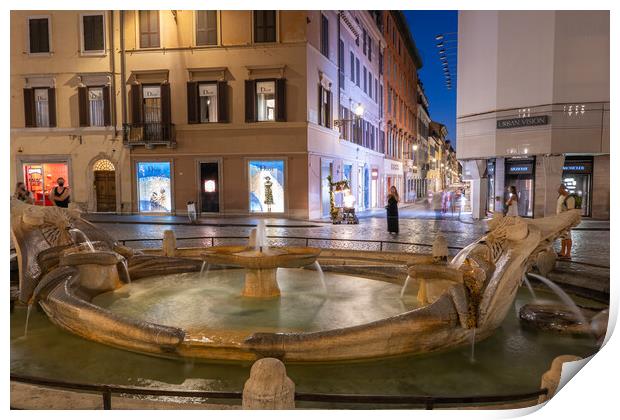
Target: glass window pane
column 206, row 27
column 41, row 107
column 154, row 187
column 39, row 35
column 266, row 101
column 95, row 105
column 266, row 182
column 93, row 33
column 208, row 102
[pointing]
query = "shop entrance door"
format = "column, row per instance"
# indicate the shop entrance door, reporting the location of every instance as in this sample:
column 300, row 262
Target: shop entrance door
column 209, row 187
column 520, row 173
column 105, row 187
column 326, row 171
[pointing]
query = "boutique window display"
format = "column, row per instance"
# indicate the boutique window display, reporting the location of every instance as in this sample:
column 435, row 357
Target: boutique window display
column 266, row 181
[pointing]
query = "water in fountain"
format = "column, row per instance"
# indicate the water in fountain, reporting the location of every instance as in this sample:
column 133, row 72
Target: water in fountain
column 319, row 270
column 126, row 270
column 564, row 297
column 27, row 319
column 87, row 241
column 402, row 291
column 204, row 270
column 529, row 287
column 472, row 359
column 261, row 237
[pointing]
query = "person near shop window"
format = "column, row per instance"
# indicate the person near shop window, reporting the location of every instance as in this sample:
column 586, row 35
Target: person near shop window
column 61, row 195
column 22, row 194
column 565, row 202
column 512, row 205
column 392, row 210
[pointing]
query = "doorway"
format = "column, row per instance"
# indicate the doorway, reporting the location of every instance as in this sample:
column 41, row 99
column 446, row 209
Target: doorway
column 327, row 168
column 105, row 185
column 209, row 187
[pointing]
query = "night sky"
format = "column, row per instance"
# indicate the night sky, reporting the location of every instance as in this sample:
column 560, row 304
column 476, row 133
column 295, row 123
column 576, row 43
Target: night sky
column 424, row 26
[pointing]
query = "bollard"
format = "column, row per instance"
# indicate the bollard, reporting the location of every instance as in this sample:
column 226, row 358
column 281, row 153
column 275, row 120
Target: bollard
column 268, row 387
column 169, row 244
column 551, row 378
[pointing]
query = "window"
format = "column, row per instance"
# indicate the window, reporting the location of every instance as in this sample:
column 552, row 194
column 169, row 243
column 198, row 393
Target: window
column 380, row 63
column 364, row 42
column 149, row 28
column 206, row 27
column 154, row 187
column 352, row 66
column 266, row 101
column 357, row 72
column 151, row 103
column 264, row 26
column 324, row 36
column 376, row 89
column 266, row 182
column 325, row 106
column 41, row 100
column 39, row 35
column 207, row 93
column 341, row 62
column 365, row 80
column 369, row 49
column 370, row 85
column 389, row 101
column 93, row 33
column 96, row 107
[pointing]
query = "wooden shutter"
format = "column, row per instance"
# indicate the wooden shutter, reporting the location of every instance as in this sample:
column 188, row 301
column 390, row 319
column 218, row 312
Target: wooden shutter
column 193, row 116
column 250, row 101
column 29, row 108
column 320, row 118
column 83, row 106
column 166, row 110
column 136, row 104
column 107, row 109
column 51, row 97
column 280, row 99
column 328, row 116
column 222, row 102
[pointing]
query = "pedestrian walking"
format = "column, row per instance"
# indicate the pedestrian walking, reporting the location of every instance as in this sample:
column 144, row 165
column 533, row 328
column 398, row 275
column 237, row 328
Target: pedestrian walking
column 392, row 210
column 61, row 195
column 565, row 202
column 512, row 204
column 436, row 203
column 22, row 194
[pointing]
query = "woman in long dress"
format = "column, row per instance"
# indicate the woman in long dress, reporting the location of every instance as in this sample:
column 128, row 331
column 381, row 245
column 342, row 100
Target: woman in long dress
column 513, row 203
column 392, row 210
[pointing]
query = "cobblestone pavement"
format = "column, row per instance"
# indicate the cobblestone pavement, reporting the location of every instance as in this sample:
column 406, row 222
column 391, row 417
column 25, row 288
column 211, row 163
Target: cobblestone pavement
column 590, row 245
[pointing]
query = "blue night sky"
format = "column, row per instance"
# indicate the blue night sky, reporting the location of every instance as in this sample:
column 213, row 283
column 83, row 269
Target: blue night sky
column 424, row 25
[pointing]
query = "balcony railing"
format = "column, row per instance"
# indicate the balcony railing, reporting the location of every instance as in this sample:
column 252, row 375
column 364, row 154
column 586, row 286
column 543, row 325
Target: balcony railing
column 149, row 134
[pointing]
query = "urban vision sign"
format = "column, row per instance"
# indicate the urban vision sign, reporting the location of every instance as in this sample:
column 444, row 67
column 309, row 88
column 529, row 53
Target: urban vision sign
column 523, row 122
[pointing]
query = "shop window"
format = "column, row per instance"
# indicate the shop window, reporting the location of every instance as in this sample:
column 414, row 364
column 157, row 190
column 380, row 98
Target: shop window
column 39, row 35
column 40, row 179
column 266, row 182
column 206, row 27
column 95, row 107
column 93, row 33
column 154, row 187
column 266, row 101
column 149, row 28
column 264, row 26
column 208, row 102
column 41, row 99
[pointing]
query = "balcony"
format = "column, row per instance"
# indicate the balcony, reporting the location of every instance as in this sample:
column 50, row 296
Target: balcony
column 149, row 135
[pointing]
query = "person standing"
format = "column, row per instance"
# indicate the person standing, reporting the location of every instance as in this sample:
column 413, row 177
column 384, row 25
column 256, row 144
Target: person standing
column 565, row 202
column 61, row 195
column 22, row 194
column 512, row 204
column 392, row 210
column 437, row 201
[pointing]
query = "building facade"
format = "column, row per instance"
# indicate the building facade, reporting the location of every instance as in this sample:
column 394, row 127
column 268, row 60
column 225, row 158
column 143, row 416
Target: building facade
column 533, row 108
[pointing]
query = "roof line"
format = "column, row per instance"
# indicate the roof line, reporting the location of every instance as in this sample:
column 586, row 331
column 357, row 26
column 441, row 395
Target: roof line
column 401, row 22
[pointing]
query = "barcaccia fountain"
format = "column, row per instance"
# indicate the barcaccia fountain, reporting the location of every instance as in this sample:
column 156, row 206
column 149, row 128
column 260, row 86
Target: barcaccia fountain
column 90, row 292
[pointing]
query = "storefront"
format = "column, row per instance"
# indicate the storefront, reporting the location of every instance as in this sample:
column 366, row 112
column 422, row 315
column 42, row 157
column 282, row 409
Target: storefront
column 209, row 187
column 491, row 187
column 393, row 175
column 577, row 177
column 154, row 187
column 266, row 182
column 520, row 174
column 40, row 178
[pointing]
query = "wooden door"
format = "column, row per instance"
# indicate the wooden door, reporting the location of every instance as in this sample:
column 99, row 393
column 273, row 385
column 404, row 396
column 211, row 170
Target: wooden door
column 105, row 186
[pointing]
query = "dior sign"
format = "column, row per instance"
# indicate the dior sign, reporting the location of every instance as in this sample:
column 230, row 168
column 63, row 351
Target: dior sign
column 523, row 122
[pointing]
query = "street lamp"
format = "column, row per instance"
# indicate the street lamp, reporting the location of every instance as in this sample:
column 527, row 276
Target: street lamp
column 358, row 111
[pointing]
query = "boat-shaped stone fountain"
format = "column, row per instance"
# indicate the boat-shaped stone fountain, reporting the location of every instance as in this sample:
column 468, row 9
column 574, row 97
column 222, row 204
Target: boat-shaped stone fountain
column 454, row 302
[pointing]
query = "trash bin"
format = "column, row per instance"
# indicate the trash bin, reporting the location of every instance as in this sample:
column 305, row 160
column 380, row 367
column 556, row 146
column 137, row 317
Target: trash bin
column 191, row 211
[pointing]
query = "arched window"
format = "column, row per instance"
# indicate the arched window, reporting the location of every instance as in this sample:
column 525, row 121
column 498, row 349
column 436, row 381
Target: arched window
column 103, row 165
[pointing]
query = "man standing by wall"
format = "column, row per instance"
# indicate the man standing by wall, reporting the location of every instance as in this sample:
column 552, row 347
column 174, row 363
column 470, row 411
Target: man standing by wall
column 565, row 202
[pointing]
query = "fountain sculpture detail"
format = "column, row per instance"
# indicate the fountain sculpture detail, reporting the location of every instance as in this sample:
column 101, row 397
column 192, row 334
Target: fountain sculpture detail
column 460, row 301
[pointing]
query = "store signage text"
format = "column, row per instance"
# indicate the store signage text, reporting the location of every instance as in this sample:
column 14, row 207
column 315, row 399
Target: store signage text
column 523, row 122
column 520, row 169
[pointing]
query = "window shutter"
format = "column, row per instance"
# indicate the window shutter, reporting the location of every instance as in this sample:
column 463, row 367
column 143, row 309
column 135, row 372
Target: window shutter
column 280, row 99
column 83, row 106
column 192, row 103
column 107, row 110
column 320, row 118
column 165, row 104
column 250, row 101
column 51, row 97
column 222, row 102
column 29, row 109
column 328, row 117
column 136, row 104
